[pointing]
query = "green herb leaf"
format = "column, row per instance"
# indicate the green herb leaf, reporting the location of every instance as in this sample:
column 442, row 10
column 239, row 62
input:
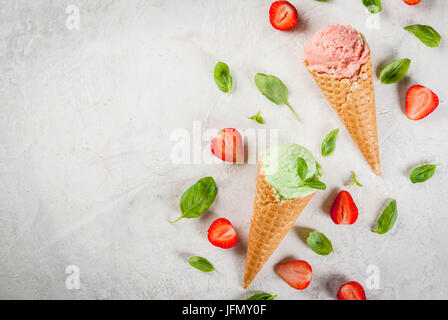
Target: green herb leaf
column 322, row 0
column 387, row 218
column 319, row 170
column 201, row 263
column 354, row 181
column 423, row 173
column 395, row 71
column 430, row 37
column 319, row 243
column 315, row 184
column 222, row 77
column 374, row 6
column 274, row 89
column 329, row 143
column 262, row 296
column 302, row 168
column 257, row 118
column 198, row 198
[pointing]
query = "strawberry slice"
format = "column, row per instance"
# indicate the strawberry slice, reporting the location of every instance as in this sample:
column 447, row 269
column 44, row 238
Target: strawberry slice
column 228, row 145
column 344, row 209
column 420, row 102
column 296, row 273
column 412, row 2
column 222, row 234
column 351, row 291
column 283, row 15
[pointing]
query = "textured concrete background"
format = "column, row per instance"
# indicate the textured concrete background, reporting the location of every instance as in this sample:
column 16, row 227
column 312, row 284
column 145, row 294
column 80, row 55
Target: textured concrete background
column 85, row 172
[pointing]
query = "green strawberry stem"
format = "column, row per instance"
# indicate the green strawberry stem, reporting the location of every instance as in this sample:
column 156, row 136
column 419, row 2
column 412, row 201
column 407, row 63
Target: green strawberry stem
column 292, row 110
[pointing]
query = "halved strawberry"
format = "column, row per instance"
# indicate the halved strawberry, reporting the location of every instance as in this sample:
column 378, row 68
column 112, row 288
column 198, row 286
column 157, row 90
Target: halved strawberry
column 351, row 291
column 222, row 234
column 228, row 145
column 420, row 102
column 296, row 273
column 344, row 209
column 412, row 2
column 283, row 15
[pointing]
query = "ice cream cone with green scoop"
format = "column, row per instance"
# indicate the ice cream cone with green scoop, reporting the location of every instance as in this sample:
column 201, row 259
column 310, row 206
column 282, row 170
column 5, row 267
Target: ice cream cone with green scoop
column 288, row 177
column 338, row 57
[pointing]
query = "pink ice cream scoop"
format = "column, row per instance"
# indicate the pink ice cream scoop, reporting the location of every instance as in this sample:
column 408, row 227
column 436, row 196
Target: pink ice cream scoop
column 337, row 50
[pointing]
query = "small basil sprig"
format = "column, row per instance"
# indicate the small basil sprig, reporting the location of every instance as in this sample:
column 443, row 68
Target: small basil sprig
column 430, row 37
column 222, row 77
column 313, row 182
column 257, row 118
column 387, row 218
column 374, row 6
column 198, row 198
column 423, row 173
column 329, row 143
column 395, row 71
column 354, row 181
column 274, row 89
column 262, row 296
column 201, row 264
column 319, row 243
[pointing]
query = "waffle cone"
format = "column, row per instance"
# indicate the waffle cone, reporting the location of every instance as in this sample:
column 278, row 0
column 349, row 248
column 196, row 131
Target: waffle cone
column 271, row 221
column 354, row 102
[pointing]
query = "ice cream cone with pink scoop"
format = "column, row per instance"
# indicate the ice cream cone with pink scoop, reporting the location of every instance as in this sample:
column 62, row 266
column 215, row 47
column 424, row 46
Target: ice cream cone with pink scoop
column 338, row 57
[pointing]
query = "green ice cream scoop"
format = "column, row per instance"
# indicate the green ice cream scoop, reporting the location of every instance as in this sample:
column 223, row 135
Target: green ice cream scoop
column 281, row 164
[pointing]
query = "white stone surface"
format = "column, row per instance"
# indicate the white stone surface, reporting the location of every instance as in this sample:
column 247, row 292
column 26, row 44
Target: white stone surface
column 85, row 172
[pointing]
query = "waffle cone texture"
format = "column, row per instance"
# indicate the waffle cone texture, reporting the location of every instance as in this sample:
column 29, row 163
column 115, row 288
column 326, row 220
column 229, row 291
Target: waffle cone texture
column 354, row 102
column 271, row 221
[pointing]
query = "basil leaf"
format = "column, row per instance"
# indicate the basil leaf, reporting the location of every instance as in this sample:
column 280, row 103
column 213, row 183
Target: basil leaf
column 316, row 184
column 262, row 296
column 387, row 218
column 319, row 243
column 222, row 77
column 198, row 198
column 201, row 264
column 423, row 173
column 395, row 71
column 354, row 181
column 302, row 168
column 274, row 89
column 257, row 118
column 319, row 170
column 430, row 37
column 374, row 6
column 329, row 143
